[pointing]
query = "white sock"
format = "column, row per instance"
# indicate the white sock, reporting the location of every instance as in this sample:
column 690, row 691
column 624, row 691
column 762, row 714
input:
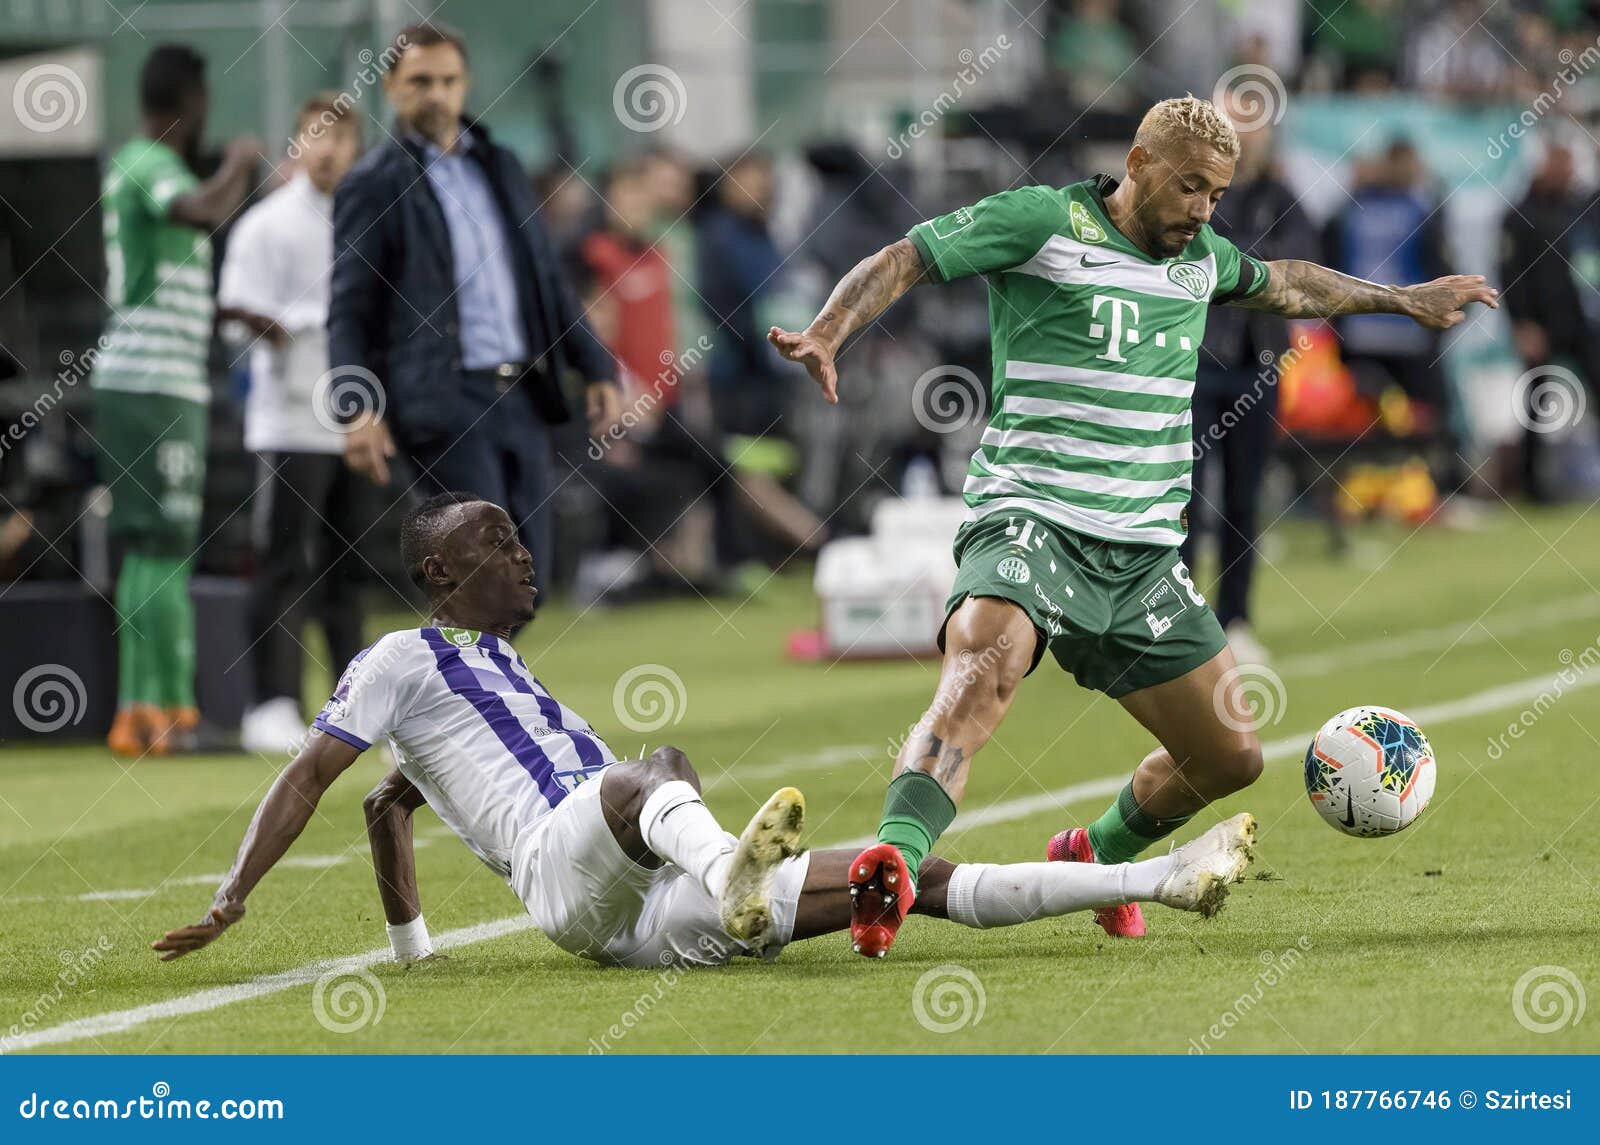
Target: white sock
column 679, row 827
column 989, row 894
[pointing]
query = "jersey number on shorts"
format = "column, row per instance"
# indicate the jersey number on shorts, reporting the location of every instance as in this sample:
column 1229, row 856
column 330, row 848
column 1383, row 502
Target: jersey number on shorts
column 1180, row 573
column 1024, row 538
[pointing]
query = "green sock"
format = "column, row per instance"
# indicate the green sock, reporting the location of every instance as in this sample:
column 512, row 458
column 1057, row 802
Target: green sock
column 916, row 811
column 1126, row 829
column 173, row 631
column 136, row 682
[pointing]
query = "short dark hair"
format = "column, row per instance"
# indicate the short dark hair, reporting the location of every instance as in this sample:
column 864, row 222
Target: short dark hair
column 423, row 34
column 420, row 532
column 171, row 73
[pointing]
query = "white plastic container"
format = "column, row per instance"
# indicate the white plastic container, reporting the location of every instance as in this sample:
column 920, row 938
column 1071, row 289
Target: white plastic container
column 884, row 595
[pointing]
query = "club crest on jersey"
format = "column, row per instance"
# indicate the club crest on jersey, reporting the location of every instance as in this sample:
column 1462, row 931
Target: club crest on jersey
column 1014, row 569
column 1083, row 224
column 1191, row 277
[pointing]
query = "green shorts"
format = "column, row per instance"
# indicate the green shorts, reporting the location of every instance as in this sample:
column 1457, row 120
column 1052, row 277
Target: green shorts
column 1119, row 617
column 153, row 460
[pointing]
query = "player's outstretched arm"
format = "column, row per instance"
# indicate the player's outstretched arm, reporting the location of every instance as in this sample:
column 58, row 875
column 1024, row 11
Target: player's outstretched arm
column 388, row 809
column 870, row 288
column 283, row 814
column 1299, row 289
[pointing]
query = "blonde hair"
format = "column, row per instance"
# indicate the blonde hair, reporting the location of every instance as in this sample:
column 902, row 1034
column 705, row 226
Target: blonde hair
column 1173, row 122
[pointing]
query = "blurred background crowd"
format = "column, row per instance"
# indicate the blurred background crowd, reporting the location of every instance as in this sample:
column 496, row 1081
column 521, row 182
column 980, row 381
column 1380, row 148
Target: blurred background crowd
column 704, row 170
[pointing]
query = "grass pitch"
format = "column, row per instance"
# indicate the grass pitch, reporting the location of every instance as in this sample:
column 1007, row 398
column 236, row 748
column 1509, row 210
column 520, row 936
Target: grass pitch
column 1473, row 931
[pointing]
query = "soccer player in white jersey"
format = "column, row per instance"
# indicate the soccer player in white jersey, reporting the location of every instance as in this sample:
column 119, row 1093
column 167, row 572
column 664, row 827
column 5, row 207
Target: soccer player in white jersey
column 1097, row 301
column 616, row 861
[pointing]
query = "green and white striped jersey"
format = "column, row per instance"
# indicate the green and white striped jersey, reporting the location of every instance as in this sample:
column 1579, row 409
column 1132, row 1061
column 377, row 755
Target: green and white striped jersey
column 158, row 279
column 1095, row 345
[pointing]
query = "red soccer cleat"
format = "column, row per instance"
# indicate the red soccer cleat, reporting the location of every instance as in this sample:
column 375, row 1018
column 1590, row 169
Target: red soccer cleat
column 1073, row 846
column 880, row 898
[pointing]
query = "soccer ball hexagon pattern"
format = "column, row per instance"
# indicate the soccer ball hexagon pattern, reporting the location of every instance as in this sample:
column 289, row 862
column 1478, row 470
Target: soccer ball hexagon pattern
column 1370, row 771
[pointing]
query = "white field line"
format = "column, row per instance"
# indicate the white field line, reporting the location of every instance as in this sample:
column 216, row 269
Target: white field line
column 117, row 1021
column 1314, row 663
column 302, row 862
column 1288, row 747
column 804, row 761
column 1456, row 635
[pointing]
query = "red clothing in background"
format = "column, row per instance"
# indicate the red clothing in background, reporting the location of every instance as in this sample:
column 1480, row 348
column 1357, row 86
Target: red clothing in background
column 638, row 282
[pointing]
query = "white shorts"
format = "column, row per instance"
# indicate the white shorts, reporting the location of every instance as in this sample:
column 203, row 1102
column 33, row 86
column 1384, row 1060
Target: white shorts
column 591, row 900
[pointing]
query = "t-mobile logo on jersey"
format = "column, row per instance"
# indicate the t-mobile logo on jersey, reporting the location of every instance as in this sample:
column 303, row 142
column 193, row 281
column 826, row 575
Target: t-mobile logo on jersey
column 1124, row 330
column 1119, row 331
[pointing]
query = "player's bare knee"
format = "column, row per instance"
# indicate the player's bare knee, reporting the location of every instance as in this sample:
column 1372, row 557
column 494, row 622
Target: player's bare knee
column 668, row 763
column 623, row 791
column 988, row 649
column 1005, row 679
column 984, row 692
column 1241, row 765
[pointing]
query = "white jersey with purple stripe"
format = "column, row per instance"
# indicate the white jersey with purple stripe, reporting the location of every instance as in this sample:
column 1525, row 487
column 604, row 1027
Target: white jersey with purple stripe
column 492, row 750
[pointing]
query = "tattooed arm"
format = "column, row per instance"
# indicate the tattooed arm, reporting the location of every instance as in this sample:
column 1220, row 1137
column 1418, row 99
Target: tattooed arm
column 869, row 289
column 1299, row 289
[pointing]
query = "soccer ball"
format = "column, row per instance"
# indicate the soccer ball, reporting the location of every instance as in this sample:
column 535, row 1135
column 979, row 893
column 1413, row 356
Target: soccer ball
column 1370, row 771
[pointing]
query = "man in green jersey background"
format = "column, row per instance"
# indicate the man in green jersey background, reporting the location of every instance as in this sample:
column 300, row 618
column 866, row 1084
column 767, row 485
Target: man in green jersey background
column 1098, row 294
column 151, row 388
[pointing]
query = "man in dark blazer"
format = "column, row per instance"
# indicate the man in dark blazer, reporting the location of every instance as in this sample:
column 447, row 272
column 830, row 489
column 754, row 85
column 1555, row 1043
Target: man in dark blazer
column 453, row 336
column 1550, row 263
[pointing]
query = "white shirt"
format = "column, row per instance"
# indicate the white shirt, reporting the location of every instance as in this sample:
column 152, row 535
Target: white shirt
column 469, row 725
column 278, row 265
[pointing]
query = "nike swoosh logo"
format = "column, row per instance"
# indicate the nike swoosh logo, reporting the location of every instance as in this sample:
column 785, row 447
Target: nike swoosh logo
column 1084, row 262
column 1349, row 808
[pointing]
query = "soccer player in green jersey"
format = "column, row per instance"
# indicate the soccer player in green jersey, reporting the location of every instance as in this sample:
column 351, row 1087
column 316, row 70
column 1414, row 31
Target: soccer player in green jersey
column 1097, row 305
column 151, row 390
